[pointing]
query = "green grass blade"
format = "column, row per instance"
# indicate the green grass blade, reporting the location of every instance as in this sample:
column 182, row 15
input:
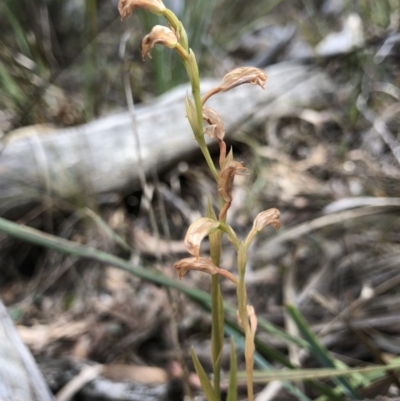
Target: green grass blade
column 204, row 380
column 320, row 352
column 265, row 365
column 232, row 388
column 320, row 373
column 108, row 230
column 283, row 335
column 10, row 87
column 275, row 355
column 18, row 29
column 72, row 248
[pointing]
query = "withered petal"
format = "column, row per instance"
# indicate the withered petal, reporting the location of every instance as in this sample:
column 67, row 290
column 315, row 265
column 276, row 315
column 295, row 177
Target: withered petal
column 159, row 34
column 269, row 217
column 125, row 7
column 216, row 126
column 196, row 233
column 243, row 75
column 200, row 264
column 203, row 265
column 225, row 179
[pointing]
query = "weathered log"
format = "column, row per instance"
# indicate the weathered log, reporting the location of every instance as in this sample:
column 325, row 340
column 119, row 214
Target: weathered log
column 63, row 372
column 101, row 157
column 20, row 378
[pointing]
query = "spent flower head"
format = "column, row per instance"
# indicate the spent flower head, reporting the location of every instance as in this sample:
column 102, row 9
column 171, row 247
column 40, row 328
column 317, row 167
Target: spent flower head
column 200, row 264
column 197, row 231
column 237, row 77
column 225, row 179
column 203, row 265
column 215, row 129
column 159, row 34
column 269, row 217
column 243, row 75
column 125, row 7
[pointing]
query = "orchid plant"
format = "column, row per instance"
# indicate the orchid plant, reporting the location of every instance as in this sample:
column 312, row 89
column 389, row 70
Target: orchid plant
column 206, row 121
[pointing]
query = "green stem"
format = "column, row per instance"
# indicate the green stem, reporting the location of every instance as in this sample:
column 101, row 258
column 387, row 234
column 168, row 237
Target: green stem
column 217, row 309
column 178, row 27
column 242, row 306
column 200, row 140
column 193, row 73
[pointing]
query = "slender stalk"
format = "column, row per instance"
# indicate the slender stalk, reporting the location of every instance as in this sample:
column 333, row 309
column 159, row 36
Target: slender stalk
column 242, row 305
column 193, row 73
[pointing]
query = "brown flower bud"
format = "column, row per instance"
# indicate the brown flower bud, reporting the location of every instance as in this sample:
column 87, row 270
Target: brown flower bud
column 125, row 7
column 225, row 179
column 215, row 129
column 266, row 218
column 161, row 35
column 243, row 75
column 197, row 231
column 203, row 265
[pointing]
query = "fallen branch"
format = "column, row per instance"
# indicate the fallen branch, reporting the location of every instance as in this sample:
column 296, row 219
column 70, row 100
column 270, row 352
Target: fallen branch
column 100, row 157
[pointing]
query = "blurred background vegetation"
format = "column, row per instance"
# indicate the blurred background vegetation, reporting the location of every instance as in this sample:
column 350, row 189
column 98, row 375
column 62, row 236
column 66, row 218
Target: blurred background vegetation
column 59, row 60
column 61, row 64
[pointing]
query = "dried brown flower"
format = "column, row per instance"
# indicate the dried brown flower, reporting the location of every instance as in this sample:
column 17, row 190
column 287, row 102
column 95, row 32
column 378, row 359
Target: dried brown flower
column 125, row 7
column 201, row 264
column 243, row 75
column 225, row 179
column 215, row 129
column 196, row 233
column 266, row 218
column 161, row 35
